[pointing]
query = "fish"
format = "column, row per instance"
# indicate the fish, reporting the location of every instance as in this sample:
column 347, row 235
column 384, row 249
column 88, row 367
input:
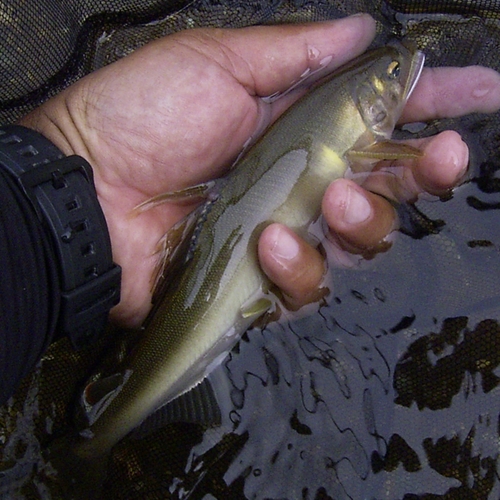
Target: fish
column 215, row 288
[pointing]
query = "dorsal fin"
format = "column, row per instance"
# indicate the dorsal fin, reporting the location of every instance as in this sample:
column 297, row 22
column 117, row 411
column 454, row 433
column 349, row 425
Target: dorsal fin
column 190, row 194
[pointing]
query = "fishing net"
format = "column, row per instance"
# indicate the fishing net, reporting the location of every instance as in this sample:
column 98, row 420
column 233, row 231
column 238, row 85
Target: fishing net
column 391, row 390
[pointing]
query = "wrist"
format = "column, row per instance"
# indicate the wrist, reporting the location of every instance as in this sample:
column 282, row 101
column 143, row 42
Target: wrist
column 130, row 251
column 56, row 124
column 62, row 194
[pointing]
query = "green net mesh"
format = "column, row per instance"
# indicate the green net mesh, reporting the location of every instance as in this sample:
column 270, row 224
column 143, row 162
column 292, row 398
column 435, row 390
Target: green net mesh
column 390, row 391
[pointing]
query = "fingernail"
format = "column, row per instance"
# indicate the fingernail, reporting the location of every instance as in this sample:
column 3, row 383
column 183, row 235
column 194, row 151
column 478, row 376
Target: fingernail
column 285, row 246
column 458, row 159
column 357, row 208
column 462, row 161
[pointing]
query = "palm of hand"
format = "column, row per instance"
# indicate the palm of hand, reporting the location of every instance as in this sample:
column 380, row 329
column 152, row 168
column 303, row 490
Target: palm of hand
column 172, row 115
column 178, row 111
column 163, row 140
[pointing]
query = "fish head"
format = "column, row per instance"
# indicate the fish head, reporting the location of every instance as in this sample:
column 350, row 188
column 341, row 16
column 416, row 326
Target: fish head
column 385, row 86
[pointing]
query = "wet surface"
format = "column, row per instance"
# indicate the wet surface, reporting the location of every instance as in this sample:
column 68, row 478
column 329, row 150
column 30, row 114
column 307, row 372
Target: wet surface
column 390, row 390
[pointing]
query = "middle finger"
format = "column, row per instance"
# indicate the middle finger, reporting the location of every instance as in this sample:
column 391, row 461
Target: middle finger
column 441, row 167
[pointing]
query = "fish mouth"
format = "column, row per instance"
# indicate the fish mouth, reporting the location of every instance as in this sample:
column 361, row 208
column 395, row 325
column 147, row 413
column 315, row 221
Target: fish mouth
column 416, row 67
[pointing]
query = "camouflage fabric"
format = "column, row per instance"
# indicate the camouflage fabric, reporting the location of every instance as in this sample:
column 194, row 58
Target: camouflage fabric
column 391, row 390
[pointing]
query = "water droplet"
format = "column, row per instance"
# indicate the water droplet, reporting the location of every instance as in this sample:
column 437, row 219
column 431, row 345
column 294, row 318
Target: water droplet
column 305, row 73
column 480, row 92
column 325, row 61
column 312, row 53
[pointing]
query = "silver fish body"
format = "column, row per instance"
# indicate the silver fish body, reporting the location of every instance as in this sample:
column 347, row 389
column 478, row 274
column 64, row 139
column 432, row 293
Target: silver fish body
column 282, row 178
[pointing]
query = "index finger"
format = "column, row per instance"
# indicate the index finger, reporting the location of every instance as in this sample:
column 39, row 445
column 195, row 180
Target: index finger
column 451, row 92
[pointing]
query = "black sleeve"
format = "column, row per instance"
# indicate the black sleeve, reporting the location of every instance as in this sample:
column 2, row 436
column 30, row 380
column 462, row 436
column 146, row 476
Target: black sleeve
column 29, row 287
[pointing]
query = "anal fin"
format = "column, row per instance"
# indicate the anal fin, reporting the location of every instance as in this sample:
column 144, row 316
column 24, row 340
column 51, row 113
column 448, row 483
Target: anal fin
column 197, row 406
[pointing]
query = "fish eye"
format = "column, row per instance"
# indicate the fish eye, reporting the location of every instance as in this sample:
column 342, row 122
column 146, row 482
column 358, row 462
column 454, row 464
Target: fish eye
column 394, row 69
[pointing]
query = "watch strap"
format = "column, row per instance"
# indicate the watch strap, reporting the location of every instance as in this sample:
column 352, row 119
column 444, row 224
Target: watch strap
column 62, row 193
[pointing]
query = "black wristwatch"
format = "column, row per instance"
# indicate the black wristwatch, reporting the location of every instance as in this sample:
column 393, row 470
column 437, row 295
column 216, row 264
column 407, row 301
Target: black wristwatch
column 62, row 192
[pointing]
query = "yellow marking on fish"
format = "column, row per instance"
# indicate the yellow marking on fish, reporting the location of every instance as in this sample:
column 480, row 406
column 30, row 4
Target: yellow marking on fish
column 378, row 84
column 331, row 162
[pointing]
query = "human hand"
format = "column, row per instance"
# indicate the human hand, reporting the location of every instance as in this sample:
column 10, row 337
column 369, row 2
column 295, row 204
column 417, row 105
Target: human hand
column 177, row 111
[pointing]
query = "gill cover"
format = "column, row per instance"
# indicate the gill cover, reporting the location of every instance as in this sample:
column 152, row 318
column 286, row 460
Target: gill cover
column 383, row 93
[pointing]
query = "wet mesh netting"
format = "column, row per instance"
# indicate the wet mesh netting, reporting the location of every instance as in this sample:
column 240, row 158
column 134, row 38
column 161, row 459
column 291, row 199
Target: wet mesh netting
column 390, row 391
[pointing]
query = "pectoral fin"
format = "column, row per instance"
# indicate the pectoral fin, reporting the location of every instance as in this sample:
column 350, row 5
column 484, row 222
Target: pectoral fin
column 98, row 395
column 385, row 150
